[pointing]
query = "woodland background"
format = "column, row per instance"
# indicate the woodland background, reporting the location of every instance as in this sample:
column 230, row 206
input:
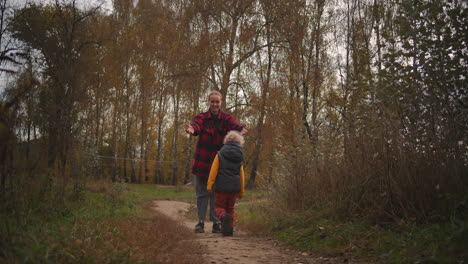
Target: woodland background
column 360, row 106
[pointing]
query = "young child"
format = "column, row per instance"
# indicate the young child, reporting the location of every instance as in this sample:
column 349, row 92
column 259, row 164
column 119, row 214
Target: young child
column 227, row 176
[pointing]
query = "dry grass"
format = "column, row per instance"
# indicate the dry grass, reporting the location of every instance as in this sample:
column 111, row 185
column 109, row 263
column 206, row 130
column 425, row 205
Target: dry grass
column 99, row 186
column 160, row 240
column 376, row 180
column 105, row 225
column 152, row 238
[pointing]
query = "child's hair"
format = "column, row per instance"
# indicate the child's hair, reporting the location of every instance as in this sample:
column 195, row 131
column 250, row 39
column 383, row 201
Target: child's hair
column 214, row 92
column 234, row 136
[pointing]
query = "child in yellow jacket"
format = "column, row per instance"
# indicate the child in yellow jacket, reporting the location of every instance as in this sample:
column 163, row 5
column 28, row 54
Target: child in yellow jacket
column 227, row 180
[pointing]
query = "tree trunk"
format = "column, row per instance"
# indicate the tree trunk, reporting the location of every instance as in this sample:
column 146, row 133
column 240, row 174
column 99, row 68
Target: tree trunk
column 145, row 171
column 132, row 164
column 188, row 166
column 161, row 114
column 115, row 141
column 128, row 124
column 175, row 137
column 142, row 135
column 158, row 172
column 261, row 119
column 317, row 78
column 228, row 67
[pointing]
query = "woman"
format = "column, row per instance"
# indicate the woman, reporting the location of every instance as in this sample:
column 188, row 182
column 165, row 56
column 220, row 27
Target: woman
column 211, row 127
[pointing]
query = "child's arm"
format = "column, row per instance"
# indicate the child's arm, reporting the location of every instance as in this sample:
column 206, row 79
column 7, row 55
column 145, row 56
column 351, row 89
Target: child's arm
column 242, row 177
column 213, row 173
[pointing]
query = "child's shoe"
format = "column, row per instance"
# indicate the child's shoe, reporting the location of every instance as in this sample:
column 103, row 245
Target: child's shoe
column 226, row 225
column 216, row 227
column 200, row 227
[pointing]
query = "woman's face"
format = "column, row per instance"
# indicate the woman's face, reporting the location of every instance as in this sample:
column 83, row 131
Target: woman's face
column 215, row 103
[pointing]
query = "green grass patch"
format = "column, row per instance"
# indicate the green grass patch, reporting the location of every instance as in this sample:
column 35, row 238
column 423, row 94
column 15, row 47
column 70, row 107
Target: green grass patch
column 322, row 234
column 147, row 192
column 253, row 195
column 106, row 225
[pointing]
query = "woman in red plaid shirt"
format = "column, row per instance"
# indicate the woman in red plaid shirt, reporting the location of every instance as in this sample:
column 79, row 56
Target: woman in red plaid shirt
column 211, row 127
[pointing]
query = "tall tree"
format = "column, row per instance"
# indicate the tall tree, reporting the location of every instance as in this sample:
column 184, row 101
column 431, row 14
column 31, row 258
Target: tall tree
column 232, row 29
column 265, row 82
column 59, row 32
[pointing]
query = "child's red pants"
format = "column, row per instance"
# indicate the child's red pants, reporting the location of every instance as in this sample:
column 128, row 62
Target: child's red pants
column 224, row 203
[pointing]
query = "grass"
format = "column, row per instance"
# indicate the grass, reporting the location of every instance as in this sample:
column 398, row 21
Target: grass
column 147, row 192
column 113, row 223
column 320, row 233
column 105, row 223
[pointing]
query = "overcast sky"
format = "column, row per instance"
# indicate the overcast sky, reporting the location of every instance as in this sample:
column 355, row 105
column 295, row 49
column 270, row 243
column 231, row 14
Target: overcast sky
column 22, row 2
column 81, row 3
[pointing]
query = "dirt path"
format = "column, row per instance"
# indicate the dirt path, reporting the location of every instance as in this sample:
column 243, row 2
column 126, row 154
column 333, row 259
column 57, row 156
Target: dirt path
column 241, row 248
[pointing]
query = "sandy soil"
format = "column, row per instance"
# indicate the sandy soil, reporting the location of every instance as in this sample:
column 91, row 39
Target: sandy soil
column 240, row 248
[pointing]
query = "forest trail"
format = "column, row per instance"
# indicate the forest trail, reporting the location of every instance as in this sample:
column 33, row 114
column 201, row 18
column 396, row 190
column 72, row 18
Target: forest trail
column 240, row 248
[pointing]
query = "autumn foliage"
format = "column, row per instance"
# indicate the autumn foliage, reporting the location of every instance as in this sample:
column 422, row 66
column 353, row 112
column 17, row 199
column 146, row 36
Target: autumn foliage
column 359, row 105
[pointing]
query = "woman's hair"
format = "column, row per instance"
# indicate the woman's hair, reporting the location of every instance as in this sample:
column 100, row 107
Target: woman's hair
column 214, row 92
column 234, row 136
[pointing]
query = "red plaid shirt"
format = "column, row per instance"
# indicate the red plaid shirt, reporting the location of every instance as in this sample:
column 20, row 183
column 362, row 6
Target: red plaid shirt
column 211, row 131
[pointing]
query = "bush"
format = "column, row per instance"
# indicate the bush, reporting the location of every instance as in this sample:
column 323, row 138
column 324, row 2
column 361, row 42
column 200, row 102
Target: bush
column 381, row 179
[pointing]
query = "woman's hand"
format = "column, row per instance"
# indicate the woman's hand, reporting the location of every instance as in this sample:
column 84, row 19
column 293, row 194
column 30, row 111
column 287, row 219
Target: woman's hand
column 243, row 131
column 189, row 129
